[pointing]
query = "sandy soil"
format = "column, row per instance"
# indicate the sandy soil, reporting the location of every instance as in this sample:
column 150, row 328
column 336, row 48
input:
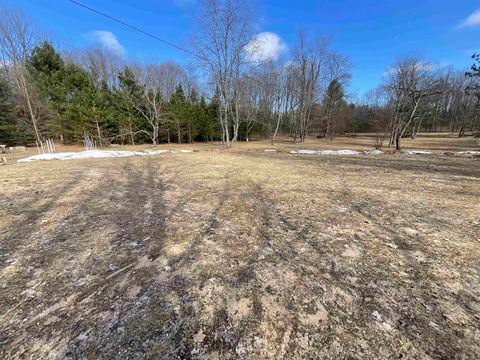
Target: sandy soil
column 224, row 254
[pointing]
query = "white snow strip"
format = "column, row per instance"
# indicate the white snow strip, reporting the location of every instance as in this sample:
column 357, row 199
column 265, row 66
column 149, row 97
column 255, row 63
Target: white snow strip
column 374, row 152
column 56, row 156
column 270, row 150
column 155, row 152
column 325, row 152
column 348, row 152
column 89, row 154
column 304, row 152
column 417, row 152
column 471, row 152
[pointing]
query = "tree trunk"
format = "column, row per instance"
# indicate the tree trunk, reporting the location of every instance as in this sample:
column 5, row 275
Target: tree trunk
column 99, row 133
column 132, row 139
column 179, row 132
column 155, row 134
column 275, row 132
column 30, row 108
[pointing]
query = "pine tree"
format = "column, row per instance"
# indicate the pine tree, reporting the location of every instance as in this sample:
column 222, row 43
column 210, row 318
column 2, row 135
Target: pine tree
column 128, row 94
column 7, row 126
column 475, row 73
column 333, row 99
column 178, row 111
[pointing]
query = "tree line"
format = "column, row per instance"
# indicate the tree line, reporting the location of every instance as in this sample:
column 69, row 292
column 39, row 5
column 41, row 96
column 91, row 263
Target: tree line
column 46, row 94
column 239, row 93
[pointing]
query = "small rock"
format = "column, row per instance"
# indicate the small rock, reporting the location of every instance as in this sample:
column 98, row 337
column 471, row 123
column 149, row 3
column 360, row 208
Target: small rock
column 261, row 257
column 376, row 315
column 167, row 268
column 112, row 267
column 392, row 245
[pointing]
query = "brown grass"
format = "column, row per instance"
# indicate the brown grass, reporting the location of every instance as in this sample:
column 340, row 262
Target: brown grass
column 220, row 254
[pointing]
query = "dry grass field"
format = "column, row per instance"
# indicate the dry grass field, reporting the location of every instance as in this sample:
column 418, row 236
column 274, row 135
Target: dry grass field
column 225, row 254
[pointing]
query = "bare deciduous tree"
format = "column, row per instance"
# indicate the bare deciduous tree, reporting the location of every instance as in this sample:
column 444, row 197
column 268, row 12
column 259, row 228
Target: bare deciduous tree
column 225, row 28
column 410, row 82
column 17, row 39
column 310, row 59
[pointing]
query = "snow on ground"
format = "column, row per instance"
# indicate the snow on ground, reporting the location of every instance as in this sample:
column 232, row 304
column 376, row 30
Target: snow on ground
column 89, row 154
column 373, row 152
column 417, row 152
column 471, row 152
column 335, row 152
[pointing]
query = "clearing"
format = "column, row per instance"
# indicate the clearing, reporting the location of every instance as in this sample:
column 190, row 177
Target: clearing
column 242, row 253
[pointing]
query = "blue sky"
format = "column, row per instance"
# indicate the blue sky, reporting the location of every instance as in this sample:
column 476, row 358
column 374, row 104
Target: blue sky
column 371, row 33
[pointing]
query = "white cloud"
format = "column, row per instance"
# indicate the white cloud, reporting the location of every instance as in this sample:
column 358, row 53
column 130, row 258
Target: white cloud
column 109, row 40
column 472, row 20
column 265, row 46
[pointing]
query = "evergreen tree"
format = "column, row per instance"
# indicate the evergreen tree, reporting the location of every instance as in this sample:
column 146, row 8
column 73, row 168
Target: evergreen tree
column 332, row 101
column 128, row 94
column 47, row 70
column 213, row 130
column 83, row 104
column 8, row 129
column 475, row 73
column 177, row 109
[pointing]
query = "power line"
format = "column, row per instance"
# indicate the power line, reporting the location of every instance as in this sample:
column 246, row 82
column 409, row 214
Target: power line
column 150, row 35
column 135, row 28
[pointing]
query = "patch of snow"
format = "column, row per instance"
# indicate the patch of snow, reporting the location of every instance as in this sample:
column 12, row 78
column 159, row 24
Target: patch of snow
column 304, row 152
column 270, row 150
column 56, row 156
column 348, row 152
column 417, row 152
column 325, row 152
column 155, row 152
column 374, row 152
column 471, row 152
column 90, row 154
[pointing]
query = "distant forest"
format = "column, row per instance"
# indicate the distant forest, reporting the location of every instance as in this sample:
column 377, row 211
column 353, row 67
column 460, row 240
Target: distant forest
column 230, row 93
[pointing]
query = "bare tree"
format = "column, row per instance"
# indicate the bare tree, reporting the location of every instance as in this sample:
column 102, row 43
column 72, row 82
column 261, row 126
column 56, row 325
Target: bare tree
column 151, row 104
column 410, row 82
column 337, row 77
column 225, row 28
column 310, row 59
column 17, row 39
column 103, row 65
